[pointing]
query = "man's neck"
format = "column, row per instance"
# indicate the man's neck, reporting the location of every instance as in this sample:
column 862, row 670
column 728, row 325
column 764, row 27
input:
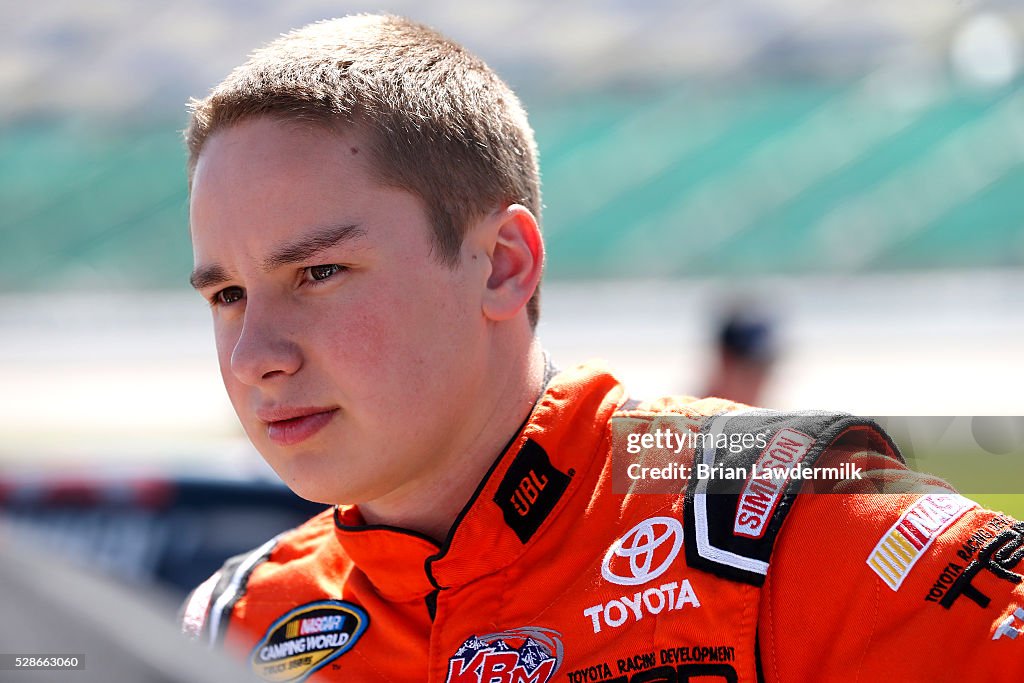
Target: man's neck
column 432, row 506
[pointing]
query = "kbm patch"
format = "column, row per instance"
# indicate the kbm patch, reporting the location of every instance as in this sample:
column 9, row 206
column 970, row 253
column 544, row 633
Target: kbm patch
column 530, row 490
column 913, row 533
column 307, row 638
column 526, row 655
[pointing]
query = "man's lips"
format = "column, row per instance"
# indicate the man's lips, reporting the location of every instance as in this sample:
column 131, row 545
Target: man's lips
column 289, row 426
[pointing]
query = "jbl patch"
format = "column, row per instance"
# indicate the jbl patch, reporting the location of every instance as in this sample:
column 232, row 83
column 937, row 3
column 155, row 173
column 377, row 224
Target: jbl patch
column 530, row 490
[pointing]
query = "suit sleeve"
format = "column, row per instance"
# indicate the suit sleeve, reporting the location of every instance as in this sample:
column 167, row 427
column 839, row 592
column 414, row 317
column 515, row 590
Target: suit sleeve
column 193, row 614
column 923, row 585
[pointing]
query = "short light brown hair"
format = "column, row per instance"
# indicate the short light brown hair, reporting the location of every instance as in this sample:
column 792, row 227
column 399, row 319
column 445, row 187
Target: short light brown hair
column 439, row 122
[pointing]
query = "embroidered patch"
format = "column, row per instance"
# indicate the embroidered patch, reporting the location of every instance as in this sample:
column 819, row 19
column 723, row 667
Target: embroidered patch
column 761, row 495
column 970, row 548
column 913, row 533
column 530, row 490
column 712, row 503
column 641, row 550
column 1000, row 557
column 1011, row 627
column 674, row 595
column 528, row 654
column 307, row 638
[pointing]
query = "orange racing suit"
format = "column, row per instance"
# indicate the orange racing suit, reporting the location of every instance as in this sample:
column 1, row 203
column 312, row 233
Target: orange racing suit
column 553, row 572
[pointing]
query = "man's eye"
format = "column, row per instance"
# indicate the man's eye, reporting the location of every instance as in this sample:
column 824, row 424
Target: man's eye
column 228, row 295
column 320, row 273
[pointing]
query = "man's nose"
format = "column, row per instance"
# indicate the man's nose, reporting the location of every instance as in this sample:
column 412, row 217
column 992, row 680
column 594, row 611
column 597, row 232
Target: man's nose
column 264, row 349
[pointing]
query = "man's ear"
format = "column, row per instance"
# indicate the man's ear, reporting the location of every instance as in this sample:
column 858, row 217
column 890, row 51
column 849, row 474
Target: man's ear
column 516, row 253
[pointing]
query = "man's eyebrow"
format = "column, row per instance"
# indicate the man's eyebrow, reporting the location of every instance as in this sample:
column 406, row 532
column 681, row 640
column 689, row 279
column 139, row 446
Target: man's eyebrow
column 294, row 252
column 312, row 244
column 208, row 276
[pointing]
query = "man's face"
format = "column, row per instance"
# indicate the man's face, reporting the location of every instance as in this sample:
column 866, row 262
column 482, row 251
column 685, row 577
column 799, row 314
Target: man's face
column 349, row 353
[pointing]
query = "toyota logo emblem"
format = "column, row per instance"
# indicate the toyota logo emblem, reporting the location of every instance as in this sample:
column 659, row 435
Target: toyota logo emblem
column 638, row 545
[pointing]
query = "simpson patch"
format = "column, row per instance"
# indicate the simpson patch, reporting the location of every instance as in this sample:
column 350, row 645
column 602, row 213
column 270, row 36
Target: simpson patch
column 307, row 638
column 730, row 528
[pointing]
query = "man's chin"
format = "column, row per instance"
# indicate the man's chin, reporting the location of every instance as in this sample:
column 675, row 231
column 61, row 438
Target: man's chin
column 305, row 476
column 316, row 492
column 321, row 489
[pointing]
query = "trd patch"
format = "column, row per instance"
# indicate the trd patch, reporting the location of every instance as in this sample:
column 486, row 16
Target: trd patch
column 307, row 638
column 530, row 490
column 1000, row 557
column 969, row 548
column 483, row 659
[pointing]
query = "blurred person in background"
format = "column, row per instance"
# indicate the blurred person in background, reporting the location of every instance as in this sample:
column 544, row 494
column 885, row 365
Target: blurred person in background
column 364, row 215
column 745, row 351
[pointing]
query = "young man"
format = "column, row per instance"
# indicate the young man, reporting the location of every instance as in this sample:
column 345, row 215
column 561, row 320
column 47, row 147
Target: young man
column 364, row 215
